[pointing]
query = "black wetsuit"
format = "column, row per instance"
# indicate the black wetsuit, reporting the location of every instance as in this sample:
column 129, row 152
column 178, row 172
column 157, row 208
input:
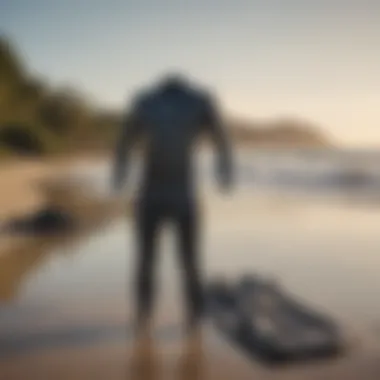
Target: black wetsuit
column 170, row 118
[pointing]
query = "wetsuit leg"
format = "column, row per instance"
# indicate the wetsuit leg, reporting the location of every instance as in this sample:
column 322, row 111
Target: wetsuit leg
column 148, row 218
column 187, row 224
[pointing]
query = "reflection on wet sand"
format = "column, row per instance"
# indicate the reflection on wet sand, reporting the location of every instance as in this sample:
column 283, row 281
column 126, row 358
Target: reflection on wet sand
column 191, row 364
column 147, row 364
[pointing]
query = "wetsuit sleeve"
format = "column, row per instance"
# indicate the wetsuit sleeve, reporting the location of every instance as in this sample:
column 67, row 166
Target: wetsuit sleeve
column 214, row 125
column 131, row 129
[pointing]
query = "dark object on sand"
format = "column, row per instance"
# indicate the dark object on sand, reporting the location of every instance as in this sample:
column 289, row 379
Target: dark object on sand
column 269, row 324
column 46, row 221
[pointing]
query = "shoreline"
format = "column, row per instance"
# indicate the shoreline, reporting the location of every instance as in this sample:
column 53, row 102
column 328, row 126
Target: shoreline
column 27, row 185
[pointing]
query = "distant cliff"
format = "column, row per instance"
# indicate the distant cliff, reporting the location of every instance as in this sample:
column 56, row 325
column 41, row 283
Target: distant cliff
column 284, row 132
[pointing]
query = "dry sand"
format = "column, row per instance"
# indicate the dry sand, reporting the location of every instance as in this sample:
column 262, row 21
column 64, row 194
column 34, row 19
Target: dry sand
column 28, row 185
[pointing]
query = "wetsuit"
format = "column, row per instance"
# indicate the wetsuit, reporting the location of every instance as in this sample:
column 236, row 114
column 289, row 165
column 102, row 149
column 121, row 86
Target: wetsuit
column 170, row 118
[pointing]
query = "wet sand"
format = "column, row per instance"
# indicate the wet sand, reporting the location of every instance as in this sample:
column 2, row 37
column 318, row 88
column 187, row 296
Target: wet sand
column 66, row 308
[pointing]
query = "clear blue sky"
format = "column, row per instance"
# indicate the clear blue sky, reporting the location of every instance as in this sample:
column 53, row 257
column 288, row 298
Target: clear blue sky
column 315, row 59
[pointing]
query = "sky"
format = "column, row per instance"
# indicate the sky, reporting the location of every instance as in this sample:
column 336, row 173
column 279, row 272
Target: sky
column 317, row 60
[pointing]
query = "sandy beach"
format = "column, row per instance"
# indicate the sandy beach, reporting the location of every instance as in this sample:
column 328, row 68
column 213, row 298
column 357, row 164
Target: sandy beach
column 314, row 249
column 27, row 186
